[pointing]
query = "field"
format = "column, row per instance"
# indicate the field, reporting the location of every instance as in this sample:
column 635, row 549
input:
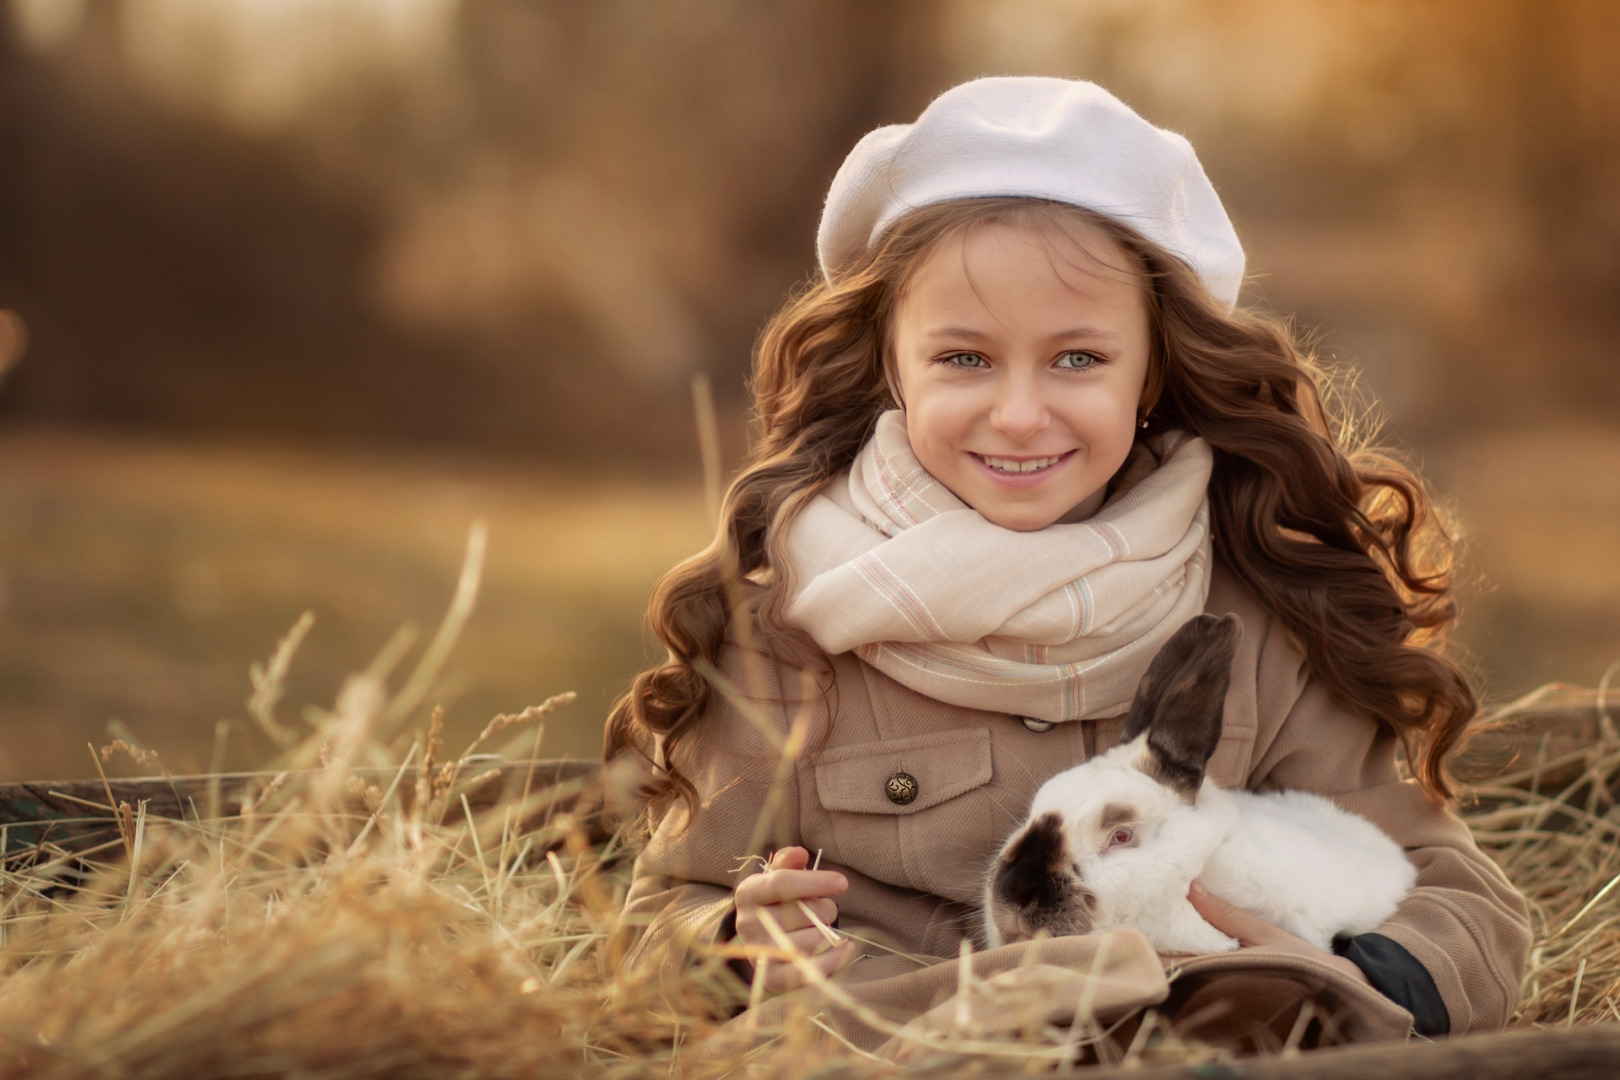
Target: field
column 140, row 578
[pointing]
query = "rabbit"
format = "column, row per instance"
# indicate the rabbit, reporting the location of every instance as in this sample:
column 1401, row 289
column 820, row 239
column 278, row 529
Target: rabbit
column 1115, row 842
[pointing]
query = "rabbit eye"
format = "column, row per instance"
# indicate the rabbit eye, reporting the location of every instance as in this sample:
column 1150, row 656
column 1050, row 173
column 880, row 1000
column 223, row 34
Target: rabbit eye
column 1121, row 836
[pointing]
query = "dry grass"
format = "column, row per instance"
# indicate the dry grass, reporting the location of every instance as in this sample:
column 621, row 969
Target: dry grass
column 299, row 937
column 1553, row 825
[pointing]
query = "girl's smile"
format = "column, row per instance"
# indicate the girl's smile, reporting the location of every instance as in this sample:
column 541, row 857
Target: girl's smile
column 1020, row 354
column 1018, row 473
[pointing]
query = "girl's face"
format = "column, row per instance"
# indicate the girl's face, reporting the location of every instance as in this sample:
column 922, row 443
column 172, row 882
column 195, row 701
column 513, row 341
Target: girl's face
column 1021, row 353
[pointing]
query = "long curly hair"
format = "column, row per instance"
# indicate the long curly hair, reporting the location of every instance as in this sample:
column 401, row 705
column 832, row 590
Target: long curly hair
column 1338, row 539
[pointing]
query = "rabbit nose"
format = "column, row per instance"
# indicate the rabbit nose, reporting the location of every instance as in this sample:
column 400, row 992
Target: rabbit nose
column 1030, row 875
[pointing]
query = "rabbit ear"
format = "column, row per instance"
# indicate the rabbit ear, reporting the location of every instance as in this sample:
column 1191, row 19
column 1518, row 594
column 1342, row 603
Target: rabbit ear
column 1181, row 698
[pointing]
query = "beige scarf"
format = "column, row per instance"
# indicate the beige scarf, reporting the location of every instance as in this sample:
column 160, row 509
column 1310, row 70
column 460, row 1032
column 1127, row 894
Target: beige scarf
column 1056, row 624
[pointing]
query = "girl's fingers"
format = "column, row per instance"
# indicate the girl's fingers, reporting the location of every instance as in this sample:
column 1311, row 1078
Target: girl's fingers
column 781, row 975
column 808, row 941
column 1235, row 922
column 1250, row 930
column 793, row 895
column 790, row 858
column 781, row 886
column 788, row 916
column 824, row 909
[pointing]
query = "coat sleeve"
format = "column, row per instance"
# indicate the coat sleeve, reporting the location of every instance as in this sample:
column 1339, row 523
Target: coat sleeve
column 681, row 886
column 1464, row 921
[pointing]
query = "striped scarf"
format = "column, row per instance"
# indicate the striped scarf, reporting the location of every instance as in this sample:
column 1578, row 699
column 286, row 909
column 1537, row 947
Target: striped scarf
column 1056, row 624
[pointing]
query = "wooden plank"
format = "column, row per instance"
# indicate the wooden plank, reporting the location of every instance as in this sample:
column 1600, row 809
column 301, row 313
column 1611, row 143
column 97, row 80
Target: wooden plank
column 1543, row 739
column 73, row 815
column 1555, row 726
column 1590, row 1052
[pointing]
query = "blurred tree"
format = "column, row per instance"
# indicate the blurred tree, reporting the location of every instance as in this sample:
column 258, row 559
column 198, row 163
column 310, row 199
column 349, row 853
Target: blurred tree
column 523, row 241
column 521, row 225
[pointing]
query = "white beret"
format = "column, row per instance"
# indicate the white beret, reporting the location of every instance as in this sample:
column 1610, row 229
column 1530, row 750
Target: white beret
column 1059, row 139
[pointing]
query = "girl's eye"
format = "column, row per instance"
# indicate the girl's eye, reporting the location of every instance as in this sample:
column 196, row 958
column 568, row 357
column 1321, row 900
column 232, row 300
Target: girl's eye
column 1078, row 361
column 966, row 360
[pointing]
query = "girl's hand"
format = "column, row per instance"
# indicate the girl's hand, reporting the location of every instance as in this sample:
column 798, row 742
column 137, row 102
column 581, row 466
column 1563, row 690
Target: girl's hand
column 782, row 893
column 1251, row 931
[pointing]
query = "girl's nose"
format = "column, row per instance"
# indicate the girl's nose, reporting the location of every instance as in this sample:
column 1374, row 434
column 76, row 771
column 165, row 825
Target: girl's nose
column 1020, row 409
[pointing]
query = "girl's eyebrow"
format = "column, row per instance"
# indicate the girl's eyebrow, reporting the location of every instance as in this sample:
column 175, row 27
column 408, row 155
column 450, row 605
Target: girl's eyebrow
column 960, row 333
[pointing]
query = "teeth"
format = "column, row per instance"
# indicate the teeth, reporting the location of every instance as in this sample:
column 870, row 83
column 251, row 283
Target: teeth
column 1008, row 465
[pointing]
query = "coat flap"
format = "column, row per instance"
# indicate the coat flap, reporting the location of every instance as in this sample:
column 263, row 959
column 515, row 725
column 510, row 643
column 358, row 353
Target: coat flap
column 856, row 778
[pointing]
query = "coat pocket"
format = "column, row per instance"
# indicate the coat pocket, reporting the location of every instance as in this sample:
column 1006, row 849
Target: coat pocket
column 914, row 812
column 927, row 770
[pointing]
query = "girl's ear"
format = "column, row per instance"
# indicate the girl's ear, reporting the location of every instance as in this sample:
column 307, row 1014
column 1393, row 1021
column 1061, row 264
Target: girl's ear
column 1180, row 701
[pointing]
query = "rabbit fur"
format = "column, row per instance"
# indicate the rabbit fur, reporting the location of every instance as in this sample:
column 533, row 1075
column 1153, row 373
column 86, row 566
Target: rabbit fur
column 1115, row 842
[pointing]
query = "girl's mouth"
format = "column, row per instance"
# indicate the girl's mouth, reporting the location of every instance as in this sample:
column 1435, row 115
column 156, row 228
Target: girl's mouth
column 1021, row 466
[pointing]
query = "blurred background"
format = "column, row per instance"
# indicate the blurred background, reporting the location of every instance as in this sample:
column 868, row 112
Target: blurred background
column 292, row 292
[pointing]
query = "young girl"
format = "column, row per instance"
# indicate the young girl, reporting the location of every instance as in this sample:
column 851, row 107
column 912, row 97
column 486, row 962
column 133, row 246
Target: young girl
column 1014, row 437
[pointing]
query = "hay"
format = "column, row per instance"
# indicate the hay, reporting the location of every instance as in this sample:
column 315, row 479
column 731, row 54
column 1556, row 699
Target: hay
column 417, row 937
column 292, row 935
column 304, row 938
column 283, row 942
column 1552, row 824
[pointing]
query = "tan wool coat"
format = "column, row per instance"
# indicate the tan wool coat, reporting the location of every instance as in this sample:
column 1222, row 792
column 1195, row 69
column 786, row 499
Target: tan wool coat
column 916, row 870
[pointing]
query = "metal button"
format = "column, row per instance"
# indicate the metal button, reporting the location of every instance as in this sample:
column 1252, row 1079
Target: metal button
column 1037, row 725
column 901, row 788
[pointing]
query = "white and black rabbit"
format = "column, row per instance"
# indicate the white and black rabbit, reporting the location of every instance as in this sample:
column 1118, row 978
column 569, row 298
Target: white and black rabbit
column 1115, row 842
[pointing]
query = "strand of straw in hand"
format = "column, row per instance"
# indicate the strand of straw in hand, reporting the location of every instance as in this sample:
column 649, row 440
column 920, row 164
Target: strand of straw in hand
column 828, row 933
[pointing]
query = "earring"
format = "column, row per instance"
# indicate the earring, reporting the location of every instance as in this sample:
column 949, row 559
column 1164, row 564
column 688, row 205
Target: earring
column 1142, row 423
